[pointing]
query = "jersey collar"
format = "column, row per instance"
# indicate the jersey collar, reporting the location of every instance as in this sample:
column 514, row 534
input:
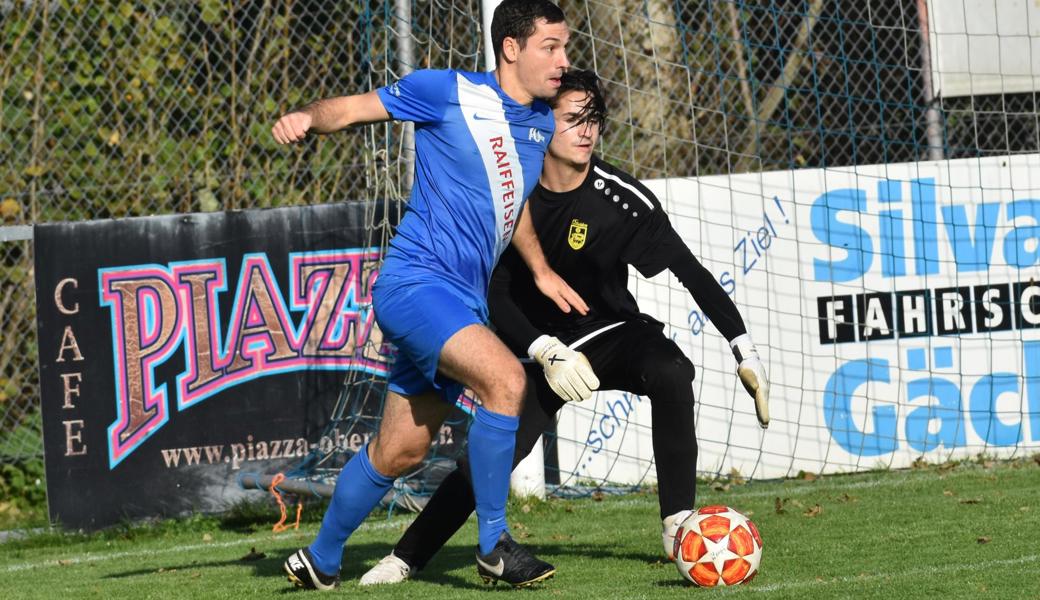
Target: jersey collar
column 552, row 196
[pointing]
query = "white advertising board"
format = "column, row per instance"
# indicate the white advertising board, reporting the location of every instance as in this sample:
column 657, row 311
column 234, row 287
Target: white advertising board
column 896, row 306
column 983, row 47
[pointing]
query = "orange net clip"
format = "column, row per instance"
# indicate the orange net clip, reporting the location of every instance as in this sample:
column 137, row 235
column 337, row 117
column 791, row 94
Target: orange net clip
column 280, row 526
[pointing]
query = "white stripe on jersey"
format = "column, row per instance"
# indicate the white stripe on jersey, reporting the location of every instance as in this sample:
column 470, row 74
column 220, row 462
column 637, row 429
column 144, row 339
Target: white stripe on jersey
column 628, row 187
column 583, row 339
column 486, row 120
column 588, row 337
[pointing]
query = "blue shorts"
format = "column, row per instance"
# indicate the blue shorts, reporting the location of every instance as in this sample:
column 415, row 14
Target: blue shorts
column 418, row 317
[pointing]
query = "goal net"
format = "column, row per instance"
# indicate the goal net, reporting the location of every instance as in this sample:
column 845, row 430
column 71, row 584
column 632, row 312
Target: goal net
column 859, row 176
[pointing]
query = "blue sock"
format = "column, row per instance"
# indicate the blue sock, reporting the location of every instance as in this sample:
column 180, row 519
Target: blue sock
column 359, row 488
column 492, row 439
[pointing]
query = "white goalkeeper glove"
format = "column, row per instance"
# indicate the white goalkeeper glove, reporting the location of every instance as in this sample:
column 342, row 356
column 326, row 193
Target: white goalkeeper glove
column 568, row 371
column 752, row 374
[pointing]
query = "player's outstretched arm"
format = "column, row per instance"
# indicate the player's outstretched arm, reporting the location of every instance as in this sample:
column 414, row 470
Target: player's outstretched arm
column 525, row 240
column 752, row 375
column 328, row 115
column 721, row 310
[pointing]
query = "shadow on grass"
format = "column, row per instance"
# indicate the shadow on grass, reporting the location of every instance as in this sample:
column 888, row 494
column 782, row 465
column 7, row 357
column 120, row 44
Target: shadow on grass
column 675, row 583
column 263, row 560
column 453, row 566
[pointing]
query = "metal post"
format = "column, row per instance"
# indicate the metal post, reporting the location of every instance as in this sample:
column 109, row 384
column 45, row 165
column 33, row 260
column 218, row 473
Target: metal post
column 487, row 10
column 932, row 116
column 405, row 65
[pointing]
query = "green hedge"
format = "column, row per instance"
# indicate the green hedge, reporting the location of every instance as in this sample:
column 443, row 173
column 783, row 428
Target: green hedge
column 117, row 108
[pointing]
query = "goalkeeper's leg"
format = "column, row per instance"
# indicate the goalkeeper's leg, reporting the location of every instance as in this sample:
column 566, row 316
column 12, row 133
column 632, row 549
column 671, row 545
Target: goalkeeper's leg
column 665, row 375
column 667, row 378
column 638, row 358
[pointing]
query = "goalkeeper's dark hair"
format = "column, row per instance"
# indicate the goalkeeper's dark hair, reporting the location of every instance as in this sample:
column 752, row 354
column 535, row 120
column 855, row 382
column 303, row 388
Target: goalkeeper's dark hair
column 516, row 19
column 595, row 108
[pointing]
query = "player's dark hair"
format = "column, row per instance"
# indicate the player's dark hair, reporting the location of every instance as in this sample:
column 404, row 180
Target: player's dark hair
column 516, row 19
column 595, row 108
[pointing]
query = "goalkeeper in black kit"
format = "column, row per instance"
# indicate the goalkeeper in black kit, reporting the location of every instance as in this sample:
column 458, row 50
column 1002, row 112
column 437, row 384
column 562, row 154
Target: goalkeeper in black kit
column 593, row 221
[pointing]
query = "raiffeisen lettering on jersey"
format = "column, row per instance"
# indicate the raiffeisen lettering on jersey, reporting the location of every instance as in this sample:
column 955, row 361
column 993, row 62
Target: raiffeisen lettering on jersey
column 506, row 188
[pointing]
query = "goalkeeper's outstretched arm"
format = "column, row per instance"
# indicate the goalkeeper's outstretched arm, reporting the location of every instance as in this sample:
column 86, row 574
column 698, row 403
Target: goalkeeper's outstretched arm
column 721, row 310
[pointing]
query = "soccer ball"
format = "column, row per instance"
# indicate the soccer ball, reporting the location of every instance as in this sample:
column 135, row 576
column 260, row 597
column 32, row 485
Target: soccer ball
column 717, row 546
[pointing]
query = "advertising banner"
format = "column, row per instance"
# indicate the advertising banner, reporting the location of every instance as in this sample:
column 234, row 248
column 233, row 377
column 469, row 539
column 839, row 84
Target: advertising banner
column 177, row 351
column 896, row 308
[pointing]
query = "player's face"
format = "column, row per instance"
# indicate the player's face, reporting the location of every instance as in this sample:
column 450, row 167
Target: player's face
column 543, row 59
column 574, row 141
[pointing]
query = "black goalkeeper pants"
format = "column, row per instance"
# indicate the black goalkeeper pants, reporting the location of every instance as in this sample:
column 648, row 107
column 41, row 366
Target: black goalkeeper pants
column 635, row 357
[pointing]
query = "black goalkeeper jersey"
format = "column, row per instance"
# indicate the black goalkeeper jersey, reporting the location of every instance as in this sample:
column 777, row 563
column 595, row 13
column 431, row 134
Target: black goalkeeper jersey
column 590, row 236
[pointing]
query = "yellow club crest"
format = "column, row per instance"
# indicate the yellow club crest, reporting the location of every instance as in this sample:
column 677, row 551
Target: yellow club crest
column 576, row 237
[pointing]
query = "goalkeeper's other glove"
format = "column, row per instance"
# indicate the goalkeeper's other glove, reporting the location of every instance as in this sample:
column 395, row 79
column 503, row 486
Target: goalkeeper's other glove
column 568, row 371
column 752, row 374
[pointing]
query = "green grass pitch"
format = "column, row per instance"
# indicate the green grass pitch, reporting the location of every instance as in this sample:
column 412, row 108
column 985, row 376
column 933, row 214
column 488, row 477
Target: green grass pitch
column 968, row 530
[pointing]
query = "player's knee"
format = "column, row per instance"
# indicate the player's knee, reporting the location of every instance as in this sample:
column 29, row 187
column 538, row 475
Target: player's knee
column 396, row 460
column 505, row 394
column 668, row 371
column 402, row 462
column 514, row 384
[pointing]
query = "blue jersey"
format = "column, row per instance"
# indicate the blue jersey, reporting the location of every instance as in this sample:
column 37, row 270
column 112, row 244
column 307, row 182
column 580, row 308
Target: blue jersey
column 478, row 154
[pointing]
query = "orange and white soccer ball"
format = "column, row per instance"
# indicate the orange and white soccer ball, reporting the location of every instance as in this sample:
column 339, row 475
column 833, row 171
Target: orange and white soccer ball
column 717, row 546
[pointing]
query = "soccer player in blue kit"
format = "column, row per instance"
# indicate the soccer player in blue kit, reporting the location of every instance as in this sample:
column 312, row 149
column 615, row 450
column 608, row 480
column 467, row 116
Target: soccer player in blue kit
column 480, row 141
column 594, row 221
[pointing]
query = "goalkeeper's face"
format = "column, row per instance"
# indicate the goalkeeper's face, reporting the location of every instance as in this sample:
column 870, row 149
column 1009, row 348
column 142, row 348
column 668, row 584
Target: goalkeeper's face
column 576, row 130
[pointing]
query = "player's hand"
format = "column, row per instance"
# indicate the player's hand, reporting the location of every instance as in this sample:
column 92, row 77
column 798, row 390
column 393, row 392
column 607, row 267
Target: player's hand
column 557, row 290
column 292, row 127
column 752, row 374
column 568, row 371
